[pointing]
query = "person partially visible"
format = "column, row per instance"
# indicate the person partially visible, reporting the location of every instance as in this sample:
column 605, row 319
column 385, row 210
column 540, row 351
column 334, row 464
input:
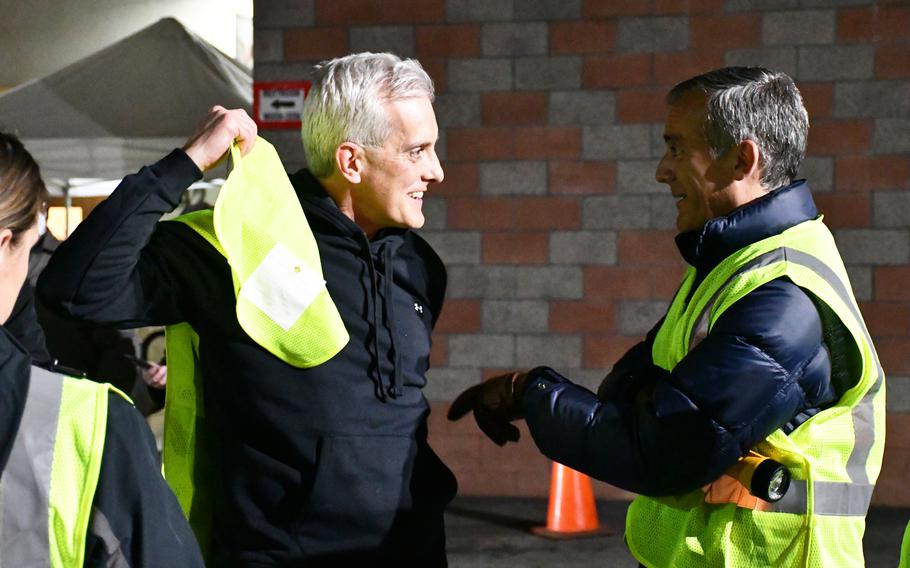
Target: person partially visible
column 313, row 463
column 762, row 349
column 80, row 482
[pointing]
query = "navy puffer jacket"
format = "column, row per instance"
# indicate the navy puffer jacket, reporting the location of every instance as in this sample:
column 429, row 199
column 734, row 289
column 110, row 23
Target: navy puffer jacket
column 764, row 366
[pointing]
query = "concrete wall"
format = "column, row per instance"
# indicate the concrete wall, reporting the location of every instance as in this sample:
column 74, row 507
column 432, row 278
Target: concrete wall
column 558, row 239
column 41, row 36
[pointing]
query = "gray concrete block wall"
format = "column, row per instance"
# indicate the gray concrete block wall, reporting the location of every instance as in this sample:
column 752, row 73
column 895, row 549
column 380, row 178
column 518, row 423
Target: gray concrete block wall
column 550, row 213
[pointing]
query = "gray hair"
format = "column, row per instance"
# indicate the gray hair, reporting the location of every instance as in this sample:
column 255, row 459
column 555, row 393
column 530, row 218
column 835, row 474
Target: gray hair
column 753, row 103
column 346, row 103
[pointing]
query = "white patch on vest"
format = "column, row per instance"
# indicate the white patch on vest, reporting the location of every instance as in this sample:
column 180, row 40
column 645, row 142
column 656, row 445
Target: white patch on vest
column 282, row 286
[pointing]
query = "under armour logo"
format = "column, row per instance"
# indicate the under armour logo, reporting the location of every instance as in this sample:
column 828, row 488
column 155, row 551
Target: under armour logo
column 418, row 308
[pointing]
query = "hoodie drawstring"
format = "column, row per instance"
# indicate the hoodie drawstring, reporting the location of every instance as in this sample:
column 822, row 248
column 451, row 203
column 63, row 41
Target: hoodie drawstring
column 395, row 389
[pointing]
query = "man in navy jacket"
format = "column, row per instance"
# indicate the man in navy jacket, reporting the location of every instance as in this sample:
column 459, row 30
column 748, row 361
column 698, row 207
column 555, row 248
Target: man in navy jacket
column 764, row 365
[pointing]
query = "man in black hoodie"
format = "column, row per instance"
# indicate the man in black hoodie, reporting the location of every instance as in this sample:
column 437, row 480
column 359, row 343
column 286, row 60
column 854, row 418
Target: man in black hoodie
column 311, row 466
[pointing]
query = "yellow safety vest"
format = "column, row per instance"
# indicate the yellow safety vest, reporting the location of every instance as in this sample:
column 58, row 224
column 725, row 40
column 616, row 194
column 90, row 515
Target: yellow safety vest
column 905, row 549
column 259, row 226
column 834, row 457
column 48, row 486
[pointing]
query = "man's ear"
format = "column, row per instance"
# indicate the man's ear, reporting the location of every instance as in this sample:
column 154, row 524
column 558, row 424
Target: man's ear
column 349, row 159
column 748, row 161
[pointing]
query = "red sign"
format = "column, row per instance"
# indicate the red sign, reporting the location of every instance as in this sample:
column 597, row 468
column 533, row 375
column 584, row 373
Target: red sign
column 278, row 104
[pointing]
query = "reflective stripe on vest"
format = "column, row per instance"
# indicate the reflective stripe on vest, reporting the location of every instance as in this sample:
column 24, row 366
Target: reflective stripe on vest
column 48, row 486
column 863, row 423
column 835, row 456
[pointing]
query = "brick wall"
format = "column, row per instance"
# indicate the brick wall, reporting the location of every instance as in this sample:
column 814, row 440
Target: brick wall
column 558, row 239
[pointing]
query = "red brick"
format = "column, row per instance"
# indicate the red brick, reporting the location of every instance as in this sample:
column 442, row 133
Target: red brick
column 461, row 178
column 663, row 7
column 581, row 317
column 439, row 351
column 665, row 280
column 873, row 24
column 891, row 283
column 515, row 248
column 513, row 108
column 611, row 71
column 358, row 12
column 437, row 69
column 641, row 105
column 891, row 487
column 480, row 143
column 479, row 213
column 886, row 319
column 844, row 210
column 304, row 44
column 459, row 316
column 615, row 282
column 833, row 137
column 441, row 427
column 582, row 177
column 602, row 352
column 527, row 213
column 892, row 352
column 547, row 213
column 609, row 8
column 725, row 31
column 548, row 143
column 672, row 67
column 898, row 428
column 868, row 173
column 582, row 37
column 632, row 282
column 818, row 98
column 455, row 40
column 647, row 247
column 456, row 449
column 892, row 61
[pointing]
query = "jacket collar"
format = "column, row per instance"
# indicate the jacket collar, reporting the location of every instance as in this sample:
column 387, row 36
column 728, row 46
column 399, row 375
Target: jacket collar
column 759, row 219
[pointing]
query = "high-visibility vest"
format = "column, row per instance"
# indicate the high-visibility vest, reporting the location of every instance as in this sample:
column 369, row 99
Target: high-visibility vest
column 905, row 549
column 259, row 226
column 48, row 486
column 834, row 457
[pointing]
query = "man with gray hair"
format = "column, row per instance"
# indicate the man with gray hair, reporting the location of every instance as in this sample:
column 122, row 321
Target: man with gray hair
column 762, row 353
column 325, row 465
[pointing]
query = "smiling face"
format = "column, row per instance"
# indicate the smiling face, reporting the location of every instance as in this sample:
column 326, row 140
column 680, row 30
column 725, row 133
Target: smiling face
column 395, row 176
column 702, row 186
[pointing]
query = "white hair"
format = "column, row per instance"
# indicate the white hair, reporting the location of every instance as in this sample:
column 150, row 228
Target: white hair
column 346, row 103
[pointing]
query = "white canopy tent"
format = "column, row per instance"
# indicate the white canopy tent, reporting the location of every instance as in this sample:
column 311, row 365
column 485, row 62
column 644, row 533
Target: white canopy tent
column 122, row 107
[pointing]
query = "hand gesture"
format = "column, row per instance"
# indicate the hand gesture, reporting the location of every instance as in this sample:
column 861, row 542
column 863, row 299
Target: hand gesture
column 211, row 141
column 495, row 402
column 155, row 375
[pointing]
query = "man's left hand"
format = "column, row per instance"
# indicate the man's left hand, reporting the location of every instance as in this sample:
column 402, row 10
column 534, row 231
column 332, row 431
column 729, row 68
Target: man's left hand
column 495, row 402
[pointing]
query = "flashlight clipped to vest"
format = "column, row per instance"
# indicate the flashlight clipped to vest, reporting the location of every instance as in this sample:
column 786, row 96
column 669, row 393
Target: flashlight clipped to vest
column 764, row 477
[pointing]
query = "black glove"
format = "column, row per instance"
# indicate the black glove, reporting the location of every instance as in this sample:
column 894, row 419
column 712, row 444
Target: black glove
column 496, row 402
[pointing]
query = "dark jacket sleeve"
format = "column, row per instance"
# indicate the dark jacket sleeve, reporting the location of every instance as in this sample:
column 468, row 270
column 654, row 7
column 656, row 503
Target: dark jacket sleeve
column 103, row 272
column 24, row 326
column 762, row 364
column 136, row 520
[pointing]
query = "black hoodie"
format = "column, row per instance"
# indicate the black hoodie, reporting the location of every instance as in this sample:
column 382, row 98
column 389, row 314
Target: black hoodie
column 314, row 465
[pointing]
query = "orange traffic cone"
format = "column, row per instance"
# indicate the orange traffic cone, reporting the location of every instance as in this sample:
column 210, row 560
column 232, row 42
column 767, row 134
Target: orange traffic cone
column 571, row 513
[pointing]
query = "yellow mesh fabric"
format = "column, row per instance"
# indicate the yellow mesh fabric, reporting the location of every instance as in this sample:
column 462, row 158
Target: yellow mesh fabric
column 257, row 207
column 77, row 464
column 186, row 456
